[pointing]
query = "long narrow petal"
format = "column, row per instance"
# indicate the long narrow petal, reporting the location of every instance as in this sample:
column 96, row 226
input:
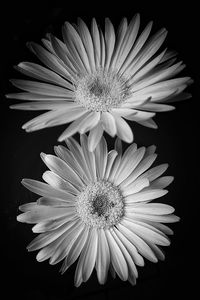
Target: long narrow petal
column 42, row 73
column 95, row 137
column 139, row 243
column 76, row 249
column 132, row 271
column 124, row 131
column 46, row 190
column 72, row 128
column 101, row 153
column 103, row 257
column 56, row 181
column 109, row 41
column 61, row 168
column 148, row 194
column 117, row 259
column 109, row 124
column 90, row 121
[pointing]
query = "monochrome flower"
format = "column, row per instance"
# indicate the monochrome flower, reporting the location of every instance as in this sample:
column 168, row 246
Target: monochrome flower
column 98, row 80
column 96, row 207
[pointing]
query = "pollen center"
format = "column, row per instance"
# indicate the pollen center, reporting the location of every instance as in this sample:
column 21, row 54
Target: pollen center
column 101, row 91
column 100, row 205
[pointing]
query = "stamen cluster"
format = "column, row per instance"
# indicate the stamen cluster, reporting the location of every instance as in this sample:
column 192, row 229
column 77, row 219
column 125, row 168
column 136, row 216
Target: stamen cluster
column 101, row 90
column 100, row 205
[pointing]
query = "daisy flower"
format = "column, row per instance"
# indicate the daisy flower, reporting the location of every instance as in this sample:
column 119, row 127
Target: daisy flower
column 99, row 80
column 96, row 207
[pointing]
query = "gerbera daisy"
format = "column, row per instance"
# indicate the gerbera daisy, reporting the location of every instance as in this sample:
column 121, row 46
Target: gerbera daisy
column 95, row 206
column 97, row 80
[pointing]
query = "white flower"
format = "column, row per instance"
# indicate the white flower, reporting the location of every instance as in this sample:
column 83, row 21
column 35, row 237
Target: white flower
column 97, row 80
column 96, row 206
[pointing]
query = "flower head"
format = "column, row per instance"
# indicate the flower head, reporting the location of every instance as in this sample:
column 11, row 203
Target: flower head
column 96, row 207
column 97, row 81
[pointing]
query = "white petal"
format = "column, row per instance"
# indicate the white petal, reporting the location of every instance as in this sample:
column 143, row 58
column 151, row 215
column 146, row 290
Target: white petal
column 124, row 131
column 139, row 243
column 43, row 105
column 76, row 249
column 90, row 121
column 132, row 271
column 37, row 97
column 68, row 239
column 72, row 128
column 154, row 218
column 139, row 116
column 54, row 118
column 137, row 258
column 90, row 257
column 125, row 54
column 110, row 160
column 101, row 153
column 155, row 172
column 131, row 164
column 149, row 66
column 119, row 43
column 77, row 153
column 103, row 257
column 27, row 206
column 156, row 107
column 147, row 234
column 45, row 89
column 124, row 168
column 50, row 225
column 118, row 146
column 42, row 213
column 89, row 157
column 45, row 239
column 62, row 169
column 109, row 124
column 67, row 59
column 103, row 49
column 117, row 259
column 114, row 168
column 57, row 182
column 148, row 123
column 144, row 164
column 148, row 194
column 76, row 48
column 164, row 228
column 87, row 42
column 149, row 50
column 137, row 47
column 50, row 60
column 87, row 259
column 41, row 73
column 109, row 41
column 46, row 190
column 150, row 150
column 136, row 186
column 95, row 137
column 72, row 160
column 162, row 182
column 96, row 42
column 55, row 202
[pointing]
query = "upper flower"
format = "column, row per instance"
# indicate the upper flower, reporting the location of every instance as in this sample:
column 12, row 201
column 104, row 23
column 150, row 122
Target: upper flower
column 96, row 207
column 97, row 80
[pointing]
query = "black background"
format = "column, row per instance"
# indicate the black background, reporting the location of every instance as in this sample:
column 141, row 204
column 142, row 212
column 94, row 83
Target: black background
column 176, row 141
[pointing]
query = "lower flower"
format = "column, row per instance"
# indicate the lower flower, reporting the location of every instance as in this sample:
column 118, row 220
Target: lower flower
column 96, row 207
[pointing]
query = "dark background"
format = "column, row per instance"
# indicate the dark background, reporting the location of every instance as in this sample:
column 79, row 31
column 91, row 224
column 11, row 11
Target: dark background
column 176, row 141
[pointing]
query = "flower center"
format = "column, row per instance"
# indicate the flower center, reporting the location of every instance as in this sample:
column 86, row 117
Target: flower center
column 101, row 91
column 100, row 205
